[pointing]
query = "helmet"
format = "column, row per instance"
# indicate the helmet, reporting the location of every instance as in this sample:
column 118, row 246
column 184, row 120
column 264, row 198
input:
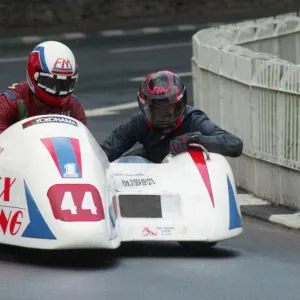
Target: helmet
column 52, row 72
column 162, row 99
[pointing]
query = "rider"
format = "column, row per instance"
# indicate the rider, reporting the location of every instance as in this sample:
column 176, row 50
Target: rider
column 52, row 73
column 165, row 123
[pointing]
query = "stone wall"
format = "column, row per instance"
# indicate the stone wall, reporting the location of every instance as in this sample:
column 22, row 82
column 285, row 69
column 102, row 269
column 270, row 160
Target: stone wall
column 33, row 15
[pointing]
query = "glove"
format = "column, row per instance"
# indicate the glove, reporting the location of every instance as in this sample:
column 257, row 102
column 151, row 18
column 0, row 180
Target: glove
column 181, row 143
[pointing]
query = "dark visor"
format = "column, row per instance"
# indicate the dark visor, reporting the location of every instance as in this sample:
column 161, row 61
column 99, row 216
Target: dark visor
column 164, row 113
column 58, row 85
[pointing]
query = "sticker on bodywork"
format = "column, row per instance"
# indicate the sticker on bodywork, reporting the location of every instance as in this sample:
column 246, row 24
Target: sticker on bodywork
column 76, row 203
column 66, row 154
column 134, row 182
column 45, row 120
column 12, row 216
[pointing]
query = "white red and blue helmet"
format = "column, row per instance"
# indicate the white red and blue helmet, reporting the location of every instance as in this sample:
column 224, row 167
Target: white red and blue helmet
column 52, row 72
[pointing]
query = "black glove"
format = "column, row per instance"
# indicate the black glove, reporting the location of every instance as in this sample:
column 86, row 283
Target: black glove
column 181, row 143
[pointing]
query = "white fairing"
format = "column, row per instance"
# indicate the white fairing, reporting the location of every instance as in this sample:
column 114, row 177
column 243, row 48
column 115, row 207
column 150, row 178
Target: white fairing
column 53, row 169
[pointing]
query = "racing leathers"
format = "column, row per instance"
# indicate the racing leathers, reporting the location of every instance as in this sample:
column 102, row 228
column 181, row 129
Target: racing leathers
column 156, row 146
column 17, row 102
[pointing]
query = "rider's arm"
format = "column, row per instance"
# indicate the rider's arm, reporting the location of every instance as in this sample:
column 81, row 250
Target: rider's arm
column 214, row 138
column 8, row 112
column 124, row 137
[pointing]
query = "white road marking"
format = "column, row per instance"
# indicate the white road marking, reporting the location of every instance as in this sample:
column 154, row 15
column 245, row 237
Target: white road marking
column 289, row 220
column 13, row 59
column 248, row 199
column 116, row 32
column 151, row 30
column 110, row 110
column 182, row 74
column 31, row 39
column 74, row 35
column 186, row 27
column 153, row 47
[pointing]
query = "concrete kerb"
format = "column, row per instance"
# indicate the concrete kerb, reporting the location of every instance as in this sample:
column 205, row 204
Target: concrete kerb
column 266, row 211
column 34, row 39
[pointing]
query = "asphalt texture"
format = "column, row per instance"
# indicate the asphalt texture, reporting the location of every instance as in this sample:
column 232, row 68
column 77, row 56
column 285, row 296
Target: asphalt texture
column 262, row 263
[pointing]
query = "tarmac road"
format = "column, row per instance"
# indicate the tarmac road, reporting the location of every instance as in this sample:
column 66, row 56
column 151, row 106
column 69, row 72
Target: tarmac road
column 262, row 263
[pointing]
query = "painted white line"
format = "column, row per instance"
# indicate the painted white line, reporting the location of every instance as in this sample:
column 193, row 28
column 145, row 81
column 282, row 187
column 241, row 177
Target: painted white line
column 13, row 59
column 74, row 35
column 292, row 220
column 31, row 39
column 186, row 27
column 110, row 110
column 182, row 74
column 98, row 112
column 288, row 220
column 117, row 32
column 151, row 30
column 248, row 199
column 153, row 47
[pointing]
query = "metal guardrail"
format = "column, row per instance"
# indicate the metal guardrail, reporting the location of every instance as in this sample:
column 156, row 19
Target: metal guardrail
column 252, row 93
column 258, row 92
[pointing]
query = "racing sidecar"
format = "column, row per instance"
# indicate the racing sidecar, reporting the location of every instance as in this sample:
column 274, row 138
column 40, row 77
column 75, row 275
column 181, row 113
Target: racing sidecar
column 58, row 191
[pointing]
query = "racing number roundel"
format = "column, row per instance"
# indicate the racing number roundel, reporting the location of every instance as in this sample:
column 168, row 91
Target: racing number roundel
column 76, row 202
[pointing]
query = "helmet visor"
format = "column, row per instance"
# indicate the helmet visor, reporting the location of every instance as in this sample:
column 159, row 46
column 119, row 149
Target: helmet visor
column 58, row 85
column 165, row 113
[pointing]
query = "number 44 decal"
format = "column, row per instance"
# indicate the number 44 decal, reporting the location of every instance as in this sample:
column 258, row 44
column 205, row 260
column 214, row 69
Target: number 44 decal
column 87, row 203
column 76, row 203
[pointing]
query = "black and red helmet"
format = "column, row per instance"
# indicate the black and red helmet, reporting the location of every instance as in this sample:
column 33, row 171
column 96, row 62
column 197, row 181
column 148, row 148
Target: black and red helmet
column 162, row 99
